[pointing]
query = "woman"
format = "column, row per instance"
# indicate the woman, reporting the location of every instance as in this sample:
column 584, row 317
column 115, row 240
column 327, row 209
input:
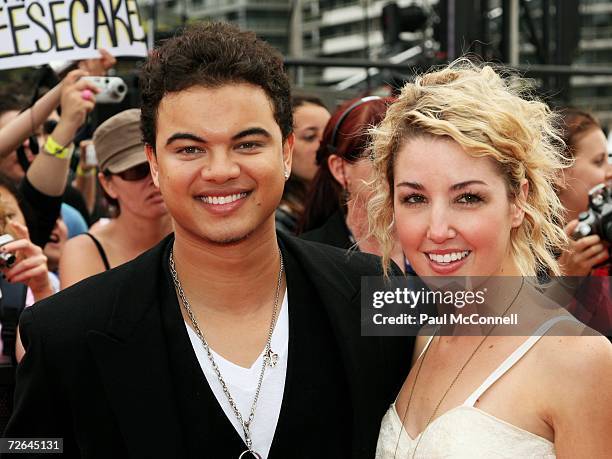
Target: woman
column 336, row 210
column 309, row 119
column 464, row 168
column 585, row 262
column 143, row 219
column 28, row 269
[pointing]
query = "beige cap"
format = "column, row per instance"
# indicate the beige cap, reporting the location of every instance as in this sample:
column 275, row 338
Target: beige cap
column 118, row 142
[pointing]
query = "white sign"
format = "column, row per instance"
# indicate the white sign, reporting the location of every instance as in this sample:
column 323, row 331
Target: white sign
column 35, row 32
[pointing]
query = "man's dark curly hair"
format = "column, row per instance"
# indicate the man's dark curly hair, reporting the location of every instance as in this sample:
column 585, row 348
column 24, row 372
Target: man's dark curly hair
column 213, row 55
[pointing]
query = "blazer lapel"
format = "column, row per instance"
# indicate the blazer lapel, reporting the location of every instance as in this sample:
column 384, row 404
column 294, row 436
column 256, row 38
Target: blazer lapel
column 362, row 356
column 132, row 359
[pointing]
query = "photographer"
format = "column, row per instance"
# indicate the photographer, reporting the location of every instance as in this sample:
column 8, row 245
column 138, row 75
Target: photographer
column 586, row 144
column 45, row 181
column 586, row 256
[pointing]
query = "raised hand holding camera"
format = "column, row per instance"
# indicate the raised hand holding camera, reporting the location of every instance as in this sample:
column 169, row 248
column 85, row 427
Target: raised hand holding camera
column 30, row 263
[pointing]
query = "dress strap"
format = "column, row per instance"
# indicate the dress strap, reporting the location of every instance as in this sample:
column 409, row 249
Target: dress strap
column 100, row 250
column 428, row 343
column 517, row 355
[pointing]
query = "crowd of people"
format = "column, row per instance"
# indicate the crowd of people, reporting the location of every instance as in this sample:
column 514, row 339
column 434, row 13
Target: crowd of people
column 212, row 307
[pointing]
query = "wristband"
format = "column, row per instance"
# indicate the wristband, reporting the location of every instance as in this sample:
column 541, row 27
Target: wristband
column 80, row 172
column 55, row 149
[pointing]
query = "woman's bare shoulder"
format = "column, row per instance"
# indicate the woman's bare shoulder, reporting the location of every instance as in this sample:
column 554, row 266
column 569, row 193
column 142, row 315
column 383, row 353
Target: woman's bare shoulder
column 574, row 361
column 80, row 259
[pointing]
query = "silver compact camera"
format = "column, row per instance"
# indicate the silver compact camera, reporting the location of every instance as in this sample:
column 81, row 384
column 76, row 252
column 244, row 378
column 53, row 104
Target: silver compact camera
column 7, row 259
column 112, row 89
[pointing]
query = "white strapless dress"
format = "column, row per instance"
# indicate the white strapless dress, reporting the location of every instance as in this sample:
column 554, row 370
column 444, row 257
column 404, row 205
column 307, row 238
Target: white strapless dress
column 463, row 432
column 466, row 431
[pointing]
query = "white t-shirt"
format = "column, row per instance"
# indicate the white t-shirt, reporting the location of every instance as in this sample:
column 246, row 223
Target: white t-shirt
column 242, row 383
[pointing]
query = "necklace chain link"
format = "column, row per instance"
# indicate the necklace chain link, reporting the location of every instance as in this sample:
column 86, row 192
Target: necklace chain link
column 270, row 358
column 416, row 376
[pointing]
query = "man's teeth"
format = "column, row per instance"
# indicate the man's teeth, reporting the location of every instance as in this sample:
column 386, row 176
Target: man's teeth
column 223, row 199
column 448, row 257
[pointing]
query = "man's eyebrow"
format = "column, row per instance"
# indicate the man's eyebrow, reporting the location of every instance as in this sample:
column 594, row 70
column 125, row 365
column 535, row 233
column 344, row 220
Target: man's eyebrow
column 184, row 136
column 252, row 131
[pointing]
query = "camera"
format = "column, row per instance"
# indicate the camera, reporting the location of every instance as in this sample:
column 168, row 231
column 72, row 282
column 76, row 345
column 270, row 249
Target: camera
column 7, row 259
column 112, row 89
column 598, row 218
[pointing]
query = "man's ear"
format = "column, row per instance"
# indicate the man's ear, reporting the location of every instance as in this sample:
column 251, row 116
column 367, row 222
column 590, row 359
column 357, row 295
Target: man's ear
column 152, row 158
column 288, row 151
column 518, row 214
column 336, row 167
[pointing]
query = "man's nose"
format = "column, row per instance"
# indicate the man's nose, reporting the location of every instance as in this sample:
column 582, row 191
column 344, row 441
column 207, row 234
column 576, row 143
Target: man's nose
column 220, row 168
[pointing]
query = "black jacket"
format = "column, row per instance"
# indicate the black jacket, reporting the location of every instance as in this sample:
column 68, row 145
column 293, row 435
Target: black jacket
column 97, row 374
column 333, row 232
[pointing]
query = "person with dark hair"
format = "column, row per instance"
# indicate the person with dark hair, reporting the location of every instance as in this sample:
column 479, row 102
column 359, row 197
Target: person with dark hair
column 309, row 119
column 42, row 178
column 335, row 212
column 11, row 103
column 586, row 144
column 585, row 262
column 227, row 339
column 26, row 279
column 125, row 178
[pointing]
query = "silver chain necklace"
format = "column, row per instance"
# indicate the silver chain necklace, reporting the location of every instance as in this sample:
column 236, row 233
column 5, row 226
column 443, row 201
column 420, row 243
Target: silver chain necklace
column 270, row 358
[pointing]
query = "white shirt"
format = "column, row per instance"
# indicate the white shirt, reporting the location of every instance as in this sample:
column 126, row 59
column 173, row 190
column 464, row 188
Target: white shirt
column 242, row 384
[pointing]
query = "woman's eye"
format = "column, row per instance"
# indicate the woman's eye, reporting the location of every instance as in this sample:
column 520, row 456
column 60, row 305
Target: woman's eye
column 469, row 198
column 310, row 138
column 600, row 162
column 413, row 199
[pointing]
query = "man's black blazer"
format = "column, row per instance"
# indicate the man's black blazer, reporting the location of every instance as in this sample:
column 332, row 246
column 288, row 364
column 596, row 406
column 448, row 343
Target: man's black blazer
column 96, row 370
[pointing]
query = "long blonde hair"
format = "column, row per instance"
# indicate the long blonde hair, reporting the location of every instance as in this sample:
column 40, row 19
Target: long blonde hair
column 489, row 116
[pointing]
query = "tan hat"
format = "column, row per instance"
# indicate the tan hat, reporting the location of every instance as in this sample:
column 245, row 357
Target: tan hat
column 118, row 142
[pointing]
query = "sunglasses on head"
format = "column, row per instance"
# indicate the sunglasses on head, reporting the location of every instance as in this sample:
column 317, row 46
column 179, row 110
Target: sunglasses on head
column 133, row 174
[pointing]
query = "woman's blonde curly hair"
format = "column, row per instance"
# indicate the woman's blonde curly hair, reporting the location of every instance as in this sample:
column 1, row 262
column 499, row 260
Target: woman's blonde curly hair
column 489, row 116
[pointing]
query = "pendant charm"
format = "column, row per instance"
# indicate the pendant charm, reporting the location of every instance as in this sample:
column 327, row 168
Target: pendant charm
column 271, row 358
column 248, row 454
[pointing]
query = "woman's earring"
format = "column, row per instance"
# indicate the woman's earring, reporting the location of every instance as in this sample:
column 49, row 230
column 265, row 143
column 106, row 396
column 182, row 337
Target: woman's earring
column 287, row 174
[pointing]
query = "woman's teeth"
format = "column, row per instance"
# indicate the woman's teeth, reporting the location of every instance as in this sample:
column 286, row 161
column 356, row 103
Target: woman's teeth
column 448, row 257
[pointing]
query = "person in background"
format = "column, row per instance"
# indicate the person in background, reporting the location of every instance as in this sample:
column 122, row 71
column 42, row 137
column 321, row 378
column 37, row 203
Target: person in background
column 335, row 212
column 10, row 106
column 125, row 177
column 585, row 262
column 585, row 142
column 44, row 184
column 309, row 119
column 30, row 267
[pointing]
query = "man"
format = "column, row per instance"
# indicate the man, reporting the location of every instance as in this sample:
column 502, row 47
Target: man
column 224, row 340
